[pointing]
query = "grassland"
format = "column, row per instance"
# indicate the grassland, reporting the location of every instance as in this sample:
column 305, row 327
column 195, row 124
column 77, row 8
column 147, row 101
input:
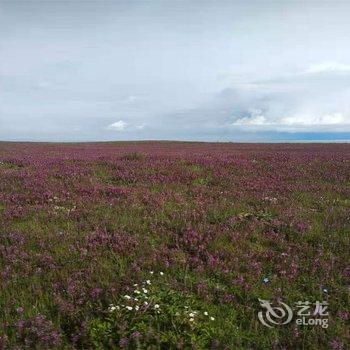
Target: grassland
column 165, row 245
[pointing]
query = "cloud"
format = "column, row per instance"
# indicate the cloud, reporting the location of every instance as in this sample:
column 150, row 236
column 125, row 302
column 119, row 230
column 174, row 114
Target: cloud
column 327, row 67
column 118, row 126
column 121, row 125
column 315, row 120
column 140, row 127
column 297, row 122
column 256, row 118
column 316, row 101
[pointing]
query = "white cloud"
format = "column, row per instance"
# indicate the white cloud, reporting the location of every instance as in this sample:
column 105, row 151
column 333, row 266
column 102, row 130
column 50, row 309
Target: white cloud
column 312, row 102
column 132, row 98
column 315, row 120
column 328, row 67
column 118, row 126
column 140, row 127
column 256, row 118
column 297, row 122
column 123, row 126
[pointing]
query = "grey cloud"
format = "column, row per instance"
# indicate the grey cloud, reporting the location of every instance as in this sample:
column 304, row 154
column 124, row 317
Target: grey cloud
column 317, row 101
column 209, row 70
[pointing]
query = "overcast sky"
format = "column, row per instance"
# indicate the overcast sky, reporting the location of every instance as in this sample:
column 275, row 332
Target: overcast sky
column 192, row 70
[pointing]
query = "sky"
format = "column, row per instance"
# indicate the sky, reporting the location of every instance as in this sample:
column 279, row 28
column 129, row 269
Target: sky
column 257, row 71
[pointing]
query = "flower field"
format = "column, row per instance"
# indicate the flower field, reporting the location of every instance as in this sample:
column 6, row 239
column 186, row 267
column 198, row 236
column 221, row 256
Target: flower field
column 167, row 245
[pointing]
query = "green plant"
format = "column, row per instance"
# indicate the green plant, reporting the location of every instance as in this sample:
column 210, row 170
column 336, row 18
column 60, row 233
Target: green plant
column 154, row 314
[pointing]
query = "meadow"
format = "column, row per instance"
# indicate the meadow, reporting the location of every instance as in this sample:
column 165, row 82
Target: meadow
column 168, row 245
